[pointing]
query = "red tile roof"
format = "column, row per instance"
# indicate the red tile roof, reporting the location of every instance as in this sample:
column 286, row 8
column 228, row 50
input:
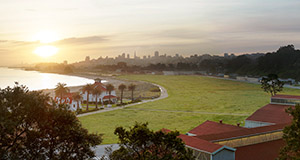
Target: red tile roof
column 99, row 85
column 286, row 96
column 271, row 113
column 111, row 96
column 197, row 143
column 211, row 127
column 265, row 151
column 242, row 133
column 200, row 144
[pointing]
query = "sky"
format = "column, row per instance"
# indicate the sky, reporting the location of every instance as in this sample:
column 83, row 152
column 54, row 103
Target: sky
column 111, row 27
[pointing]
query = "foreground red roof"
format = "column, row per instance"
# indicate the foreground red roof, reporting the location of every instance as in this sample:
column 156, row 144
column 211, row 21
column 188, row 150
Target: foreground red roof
column 265, row 151
column 200, row 144
column 272, row 113
column 211, row 127
column 242, row 133
column 286, row 96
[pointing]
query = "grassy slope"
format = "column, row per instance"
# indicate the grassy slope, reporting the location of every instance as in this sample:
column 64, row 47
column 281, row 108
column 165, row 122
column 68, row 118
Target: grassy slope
column 186, row 93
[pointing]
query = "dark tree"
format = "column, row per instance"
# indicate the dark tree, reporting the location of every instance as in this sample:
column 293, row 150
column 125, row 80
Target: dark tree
column 291, row 136
column 61, row 90
column 97, row 92
column 122, row 87
column 141, row 143
column 109, row 88
column 88, row 88
column 33, row 127
column 131, row 88
column 271, row 84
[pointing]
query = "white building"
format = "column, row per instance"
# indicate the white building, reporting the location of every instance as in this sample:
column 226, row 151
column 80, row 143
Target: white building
column 67, row 99
column 104, row 96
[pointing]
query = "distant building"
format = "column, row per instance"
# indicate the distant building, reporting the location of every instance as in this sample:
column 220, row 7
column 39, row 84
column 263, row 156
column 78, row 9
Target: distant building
column 156, row 54
column 226, row 55
column 87, row 58
column 104, row 95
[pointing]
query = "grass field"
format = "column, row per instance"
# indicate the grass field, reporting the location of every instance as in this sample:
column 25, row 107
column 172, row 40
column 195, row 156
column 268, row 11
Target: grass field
column 190, row 98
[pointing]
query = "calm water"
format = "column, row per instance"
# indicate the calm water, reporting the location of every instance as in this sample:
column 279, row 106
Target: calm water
column 35, row 80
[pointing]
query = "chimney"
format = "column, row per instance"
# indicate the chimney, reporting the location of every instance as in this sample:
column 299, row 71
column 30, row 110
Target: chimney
column 221, row 121
column 238, row 124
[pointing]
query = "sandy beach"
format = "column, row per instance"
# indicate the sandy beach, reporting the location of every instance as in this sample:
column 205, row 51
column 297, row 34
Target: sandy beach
column 142, row 88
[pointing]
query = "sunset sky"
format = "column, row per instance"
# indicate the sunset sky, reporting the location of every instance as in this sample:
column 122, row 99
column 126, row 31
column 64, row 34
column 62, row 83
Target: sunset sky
column 79, row 28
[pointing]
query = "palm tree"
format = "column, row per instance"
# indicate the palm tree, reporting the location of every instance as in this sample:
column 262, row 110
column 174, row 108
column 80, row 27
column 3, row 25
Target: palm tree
column 131, row 88
column 61, row 90
column 77, row 97
column 87, row 88
column 109, row 88
column 122, row 87
column 96, row 92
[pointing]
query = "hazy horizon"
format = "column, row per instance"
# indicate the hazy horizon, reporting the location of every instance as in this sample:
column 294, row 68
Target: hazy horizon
column 108, row 28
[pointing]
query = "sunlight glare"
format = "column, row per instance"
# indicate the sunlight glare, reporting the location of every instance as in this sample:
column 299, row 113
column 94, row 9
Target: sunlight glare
column 46, row 51
column 46, row 37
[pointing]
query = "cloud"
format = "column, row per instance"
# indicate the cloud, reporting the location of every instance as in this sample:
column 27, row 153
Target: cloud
column 82, row 40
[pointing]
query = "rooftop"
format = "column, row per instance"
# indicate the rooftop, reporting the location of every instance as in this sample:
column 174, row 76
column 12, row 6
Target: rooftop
column 200, row 144
column 286, row 96
column 242, row 133
column 272, row 113
column 211, row 127
column 266, row 150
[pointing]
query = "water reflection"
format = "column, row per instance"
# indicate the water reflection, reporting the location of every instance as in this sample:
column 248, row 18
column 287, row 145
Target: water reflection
column 36, row 81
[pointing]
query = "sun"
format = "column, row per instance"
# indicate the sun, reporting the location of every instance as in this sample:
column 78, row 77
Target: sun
column 46, row 51
column 46, row 36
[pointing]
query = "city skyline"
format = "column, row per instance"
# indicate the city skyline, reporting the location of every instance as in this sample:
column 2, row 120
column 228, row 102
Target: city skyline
column 109, row 28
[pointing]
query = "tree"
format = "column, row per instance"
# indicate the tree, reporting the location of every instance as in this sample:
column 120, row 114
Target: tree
column 77, row 97
column 109, row 88
column 61, row 90
column 141, row 143
column 122, row 87
column 33, row 127
column 131, row 88
column 88, row 88
column 271, row 84
column 97, row 92
column 291, row 136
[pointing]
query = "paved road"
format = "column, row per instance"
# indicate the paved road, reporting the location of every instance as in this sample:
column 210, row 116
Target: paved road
column 163, row 94
column 100, row 150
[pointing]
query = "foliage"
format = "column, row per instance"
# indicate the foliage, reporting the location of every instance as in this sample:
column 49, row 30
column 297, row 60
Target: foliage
column 271, row 84
column 109, row 88
column 291, row 151
column 61, row 90
column 131, row 88
column 88, row 88
column 96, row 92
column 33, row 128
column 141, row 143
column 122, row 87
column 77, row 97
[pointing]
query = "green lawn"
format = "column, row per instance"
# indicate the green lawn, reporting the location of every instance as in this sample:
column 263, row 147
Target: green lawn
column 186, row 93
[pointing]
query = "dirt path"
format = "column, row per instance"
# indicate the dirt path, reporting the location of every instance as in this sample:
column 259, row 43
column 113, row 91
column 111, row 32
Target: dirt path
column 214, row 113
column 163, row 94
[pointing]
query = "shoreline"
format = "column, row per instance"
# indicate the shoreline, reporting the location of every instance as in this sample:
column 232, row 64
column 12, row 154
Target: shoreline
column 142, row 89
